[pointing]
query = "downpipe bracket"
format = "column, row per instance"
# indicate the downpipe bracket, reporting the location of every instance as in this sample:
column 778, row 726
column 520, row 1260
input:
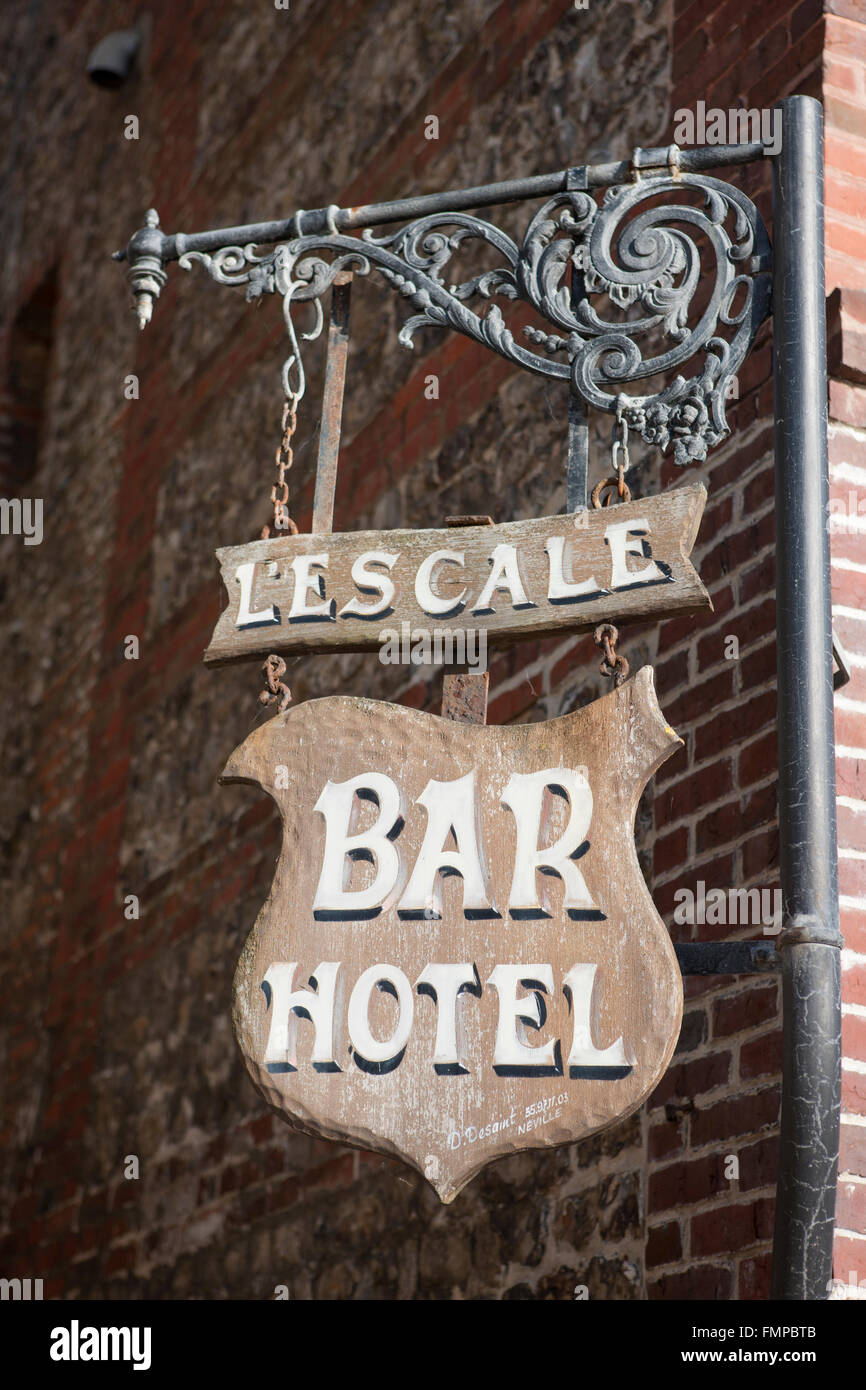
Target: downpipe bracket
column 804, row 929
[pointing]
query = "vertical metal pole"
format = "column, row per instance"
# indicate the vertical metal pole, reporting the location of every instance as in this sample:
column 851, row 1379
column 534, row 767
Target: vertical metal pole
column 578, row 455
column 577, row 467
column 810, row 941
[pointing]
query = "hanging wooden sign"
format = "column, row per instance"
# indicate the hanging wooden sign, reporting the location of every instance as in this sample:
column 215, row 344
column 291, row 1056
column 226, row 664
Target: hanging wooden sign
column 341, row 592
column 459, row 958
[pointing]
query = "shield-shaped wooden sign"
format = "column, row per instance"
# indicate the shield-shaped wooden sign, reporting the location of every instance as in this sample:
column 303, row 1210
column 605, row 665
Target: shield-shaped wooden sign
column 459, row 958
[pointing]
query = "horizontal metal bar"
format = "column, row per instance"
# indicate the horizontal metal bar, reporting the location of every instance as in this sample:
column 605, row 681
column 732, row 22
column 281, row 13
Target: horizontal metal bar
column 727, row 957
column 319, row 220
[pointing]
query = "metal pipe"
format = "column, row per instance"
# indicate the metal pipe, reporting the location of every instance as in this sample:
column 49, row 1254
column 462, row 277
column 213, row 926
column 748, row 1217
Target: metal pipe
column 810, row 941
column 319, row 220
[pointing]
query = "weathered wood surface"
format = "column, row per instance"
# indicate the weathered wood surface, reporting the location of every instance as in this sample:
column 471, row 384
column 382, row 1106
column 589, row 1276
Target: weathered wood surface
column 464, row 692
column 336, row 363
column 464, row 696
column 565, row 995
column 341, row 592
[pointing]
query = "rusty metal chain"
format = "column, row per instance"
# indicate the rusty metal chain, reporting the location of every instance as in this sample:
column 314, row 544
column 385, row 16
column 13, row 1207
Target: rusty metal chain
column 283, row 458
column 616, row 483
column 606, row 637
column 274, row 667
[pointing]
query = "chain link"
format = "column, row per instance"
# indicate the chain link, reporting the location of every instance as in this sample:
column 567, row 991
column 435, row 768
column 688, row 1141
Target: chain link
column 620, row 460
column 274, row 667
column 606, row 637
column 283, row 459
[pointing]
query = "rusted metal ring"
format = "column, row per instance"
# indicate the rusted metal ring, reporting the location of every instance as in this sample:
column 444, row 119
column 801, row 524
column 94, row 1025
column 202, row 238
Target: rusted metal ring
column 608, row 485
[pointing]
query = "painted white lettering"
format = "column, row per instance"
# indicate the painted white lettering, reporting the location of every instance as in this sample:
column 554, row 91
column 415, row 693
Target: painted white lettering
column 246, row 617
column 560, row 589
column 524, row 796
column 369, row 582
column 369, row 1049
column 428, row 599
column 444, row 983
column 516, row 1014
column 624, row 539
column 504, row 575
column 288, row 1004
column 305, row 583
column 337, row 804
column 451, row 807
column 578, row 985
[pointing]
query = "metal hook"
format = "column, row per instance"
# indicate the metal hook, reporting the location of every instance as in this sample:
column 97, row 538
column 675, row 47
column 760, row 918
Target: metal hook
column 294, row 359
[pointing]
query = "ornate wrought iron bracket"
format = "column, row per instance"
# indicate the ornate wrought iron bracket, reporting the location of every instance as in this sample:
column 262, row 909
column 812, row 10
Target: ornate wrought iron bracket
column 620, row 285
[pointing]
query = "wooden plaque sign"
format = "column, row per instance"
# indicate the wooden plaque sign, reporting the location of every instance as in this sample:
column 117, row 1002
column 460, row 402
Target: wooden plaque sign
column 459, row 958
column 341, row 592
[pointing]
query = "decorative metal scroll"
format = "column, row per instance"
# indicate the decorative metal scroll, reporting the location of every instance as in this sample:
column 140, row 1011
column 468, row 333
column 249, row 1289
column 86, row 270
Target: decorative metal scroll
column 638, row 253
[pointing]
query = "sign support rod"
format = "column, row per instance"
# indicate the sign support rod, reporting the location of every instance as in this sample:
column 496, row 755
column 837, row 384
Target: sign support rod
column 332, row 408
column 577, row 468
column 809, row 946
column 464, row 692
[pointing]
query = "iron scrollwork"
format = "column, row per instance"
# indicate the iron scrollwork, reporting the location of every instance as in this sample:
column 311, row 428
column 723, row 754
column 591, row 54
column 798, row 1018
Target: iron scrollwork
column 638, row 255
